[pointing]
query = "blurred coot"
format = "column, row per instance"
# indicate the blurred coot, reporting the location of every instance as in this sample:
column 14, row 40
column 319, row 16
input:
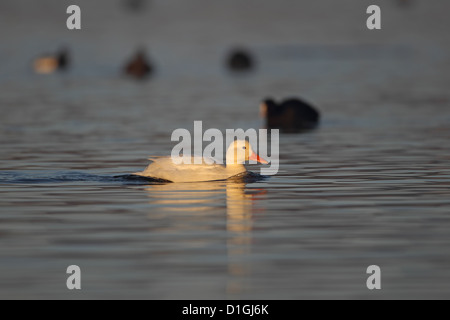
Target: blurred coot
column 49, row 63
column 291, row 115
column 240, row 60
column 139, row 66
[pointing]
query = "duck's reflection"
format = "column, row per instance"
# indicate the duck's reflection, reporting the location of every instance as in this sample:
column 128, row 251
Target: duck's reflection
column 210, row 198
column 239, row 228
column 184, row 197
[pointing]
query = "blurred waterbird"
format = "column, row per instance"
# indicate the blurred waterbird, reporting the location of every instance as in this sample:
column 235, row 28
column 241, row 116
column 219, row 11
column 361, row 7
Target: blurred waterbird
column 291, row 115
column 139, row 66
column 49, row 63
column 240, row 60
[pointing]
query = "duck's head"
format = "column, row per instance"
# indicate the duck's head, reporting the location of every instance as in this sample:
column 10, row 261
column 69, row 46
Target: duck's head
column 241, row 151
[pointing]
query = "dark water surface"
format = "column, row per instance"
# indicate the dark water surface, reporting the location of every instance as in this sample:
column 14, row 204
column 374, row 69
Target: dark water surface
column 370, row 186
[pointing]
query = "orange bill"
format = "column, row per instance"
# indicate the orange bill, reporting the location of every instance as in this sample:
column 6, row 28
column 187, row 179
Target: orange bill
column 257, row 158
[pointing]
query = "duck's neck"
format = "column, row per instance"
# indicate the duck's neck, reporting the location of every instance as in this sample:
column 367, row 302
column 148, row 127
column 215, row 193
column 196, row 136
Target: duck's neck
column 233, row 165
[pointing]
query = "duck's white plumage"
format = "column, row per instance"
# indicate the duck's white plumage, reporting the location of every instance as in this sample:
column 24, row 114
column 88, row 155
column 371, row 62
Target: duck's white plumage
column 164, row 168
column 238, row 152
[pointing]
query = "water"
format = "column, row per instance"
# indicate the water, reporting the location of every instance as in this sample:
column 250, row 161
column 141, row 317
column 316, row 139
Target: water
column 370, row 186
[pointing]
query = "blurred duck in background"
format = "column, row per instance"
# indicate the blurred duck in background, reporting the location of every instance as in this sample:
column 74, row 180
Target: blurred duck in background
column 139, row 66
column 47, row 64
column 240, row 60
column 291, row 115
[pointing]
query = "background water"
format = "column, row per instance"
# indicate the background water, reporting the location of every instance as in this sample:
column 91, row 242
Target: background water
column 370, row 186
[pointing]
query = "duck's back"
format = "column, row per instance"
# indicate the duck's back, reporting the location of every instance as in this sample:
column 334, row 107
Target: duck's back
column 164, row 168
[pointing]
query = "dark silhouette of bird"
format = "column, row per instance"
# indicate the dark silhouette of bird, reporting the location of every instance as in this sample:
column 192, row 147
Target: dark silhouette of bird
column 49, row 63
column 291, row 115
column 240, row 60
column 139, row 66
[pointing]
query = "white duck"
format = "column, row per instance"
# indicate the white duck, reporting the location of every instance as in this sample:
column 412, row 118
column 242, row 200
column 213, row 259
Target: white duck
column 237, row 153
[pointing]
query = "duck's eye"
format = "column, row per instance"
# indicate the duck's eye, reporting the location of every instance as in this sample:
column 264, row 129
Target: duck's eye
column 244, row 148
